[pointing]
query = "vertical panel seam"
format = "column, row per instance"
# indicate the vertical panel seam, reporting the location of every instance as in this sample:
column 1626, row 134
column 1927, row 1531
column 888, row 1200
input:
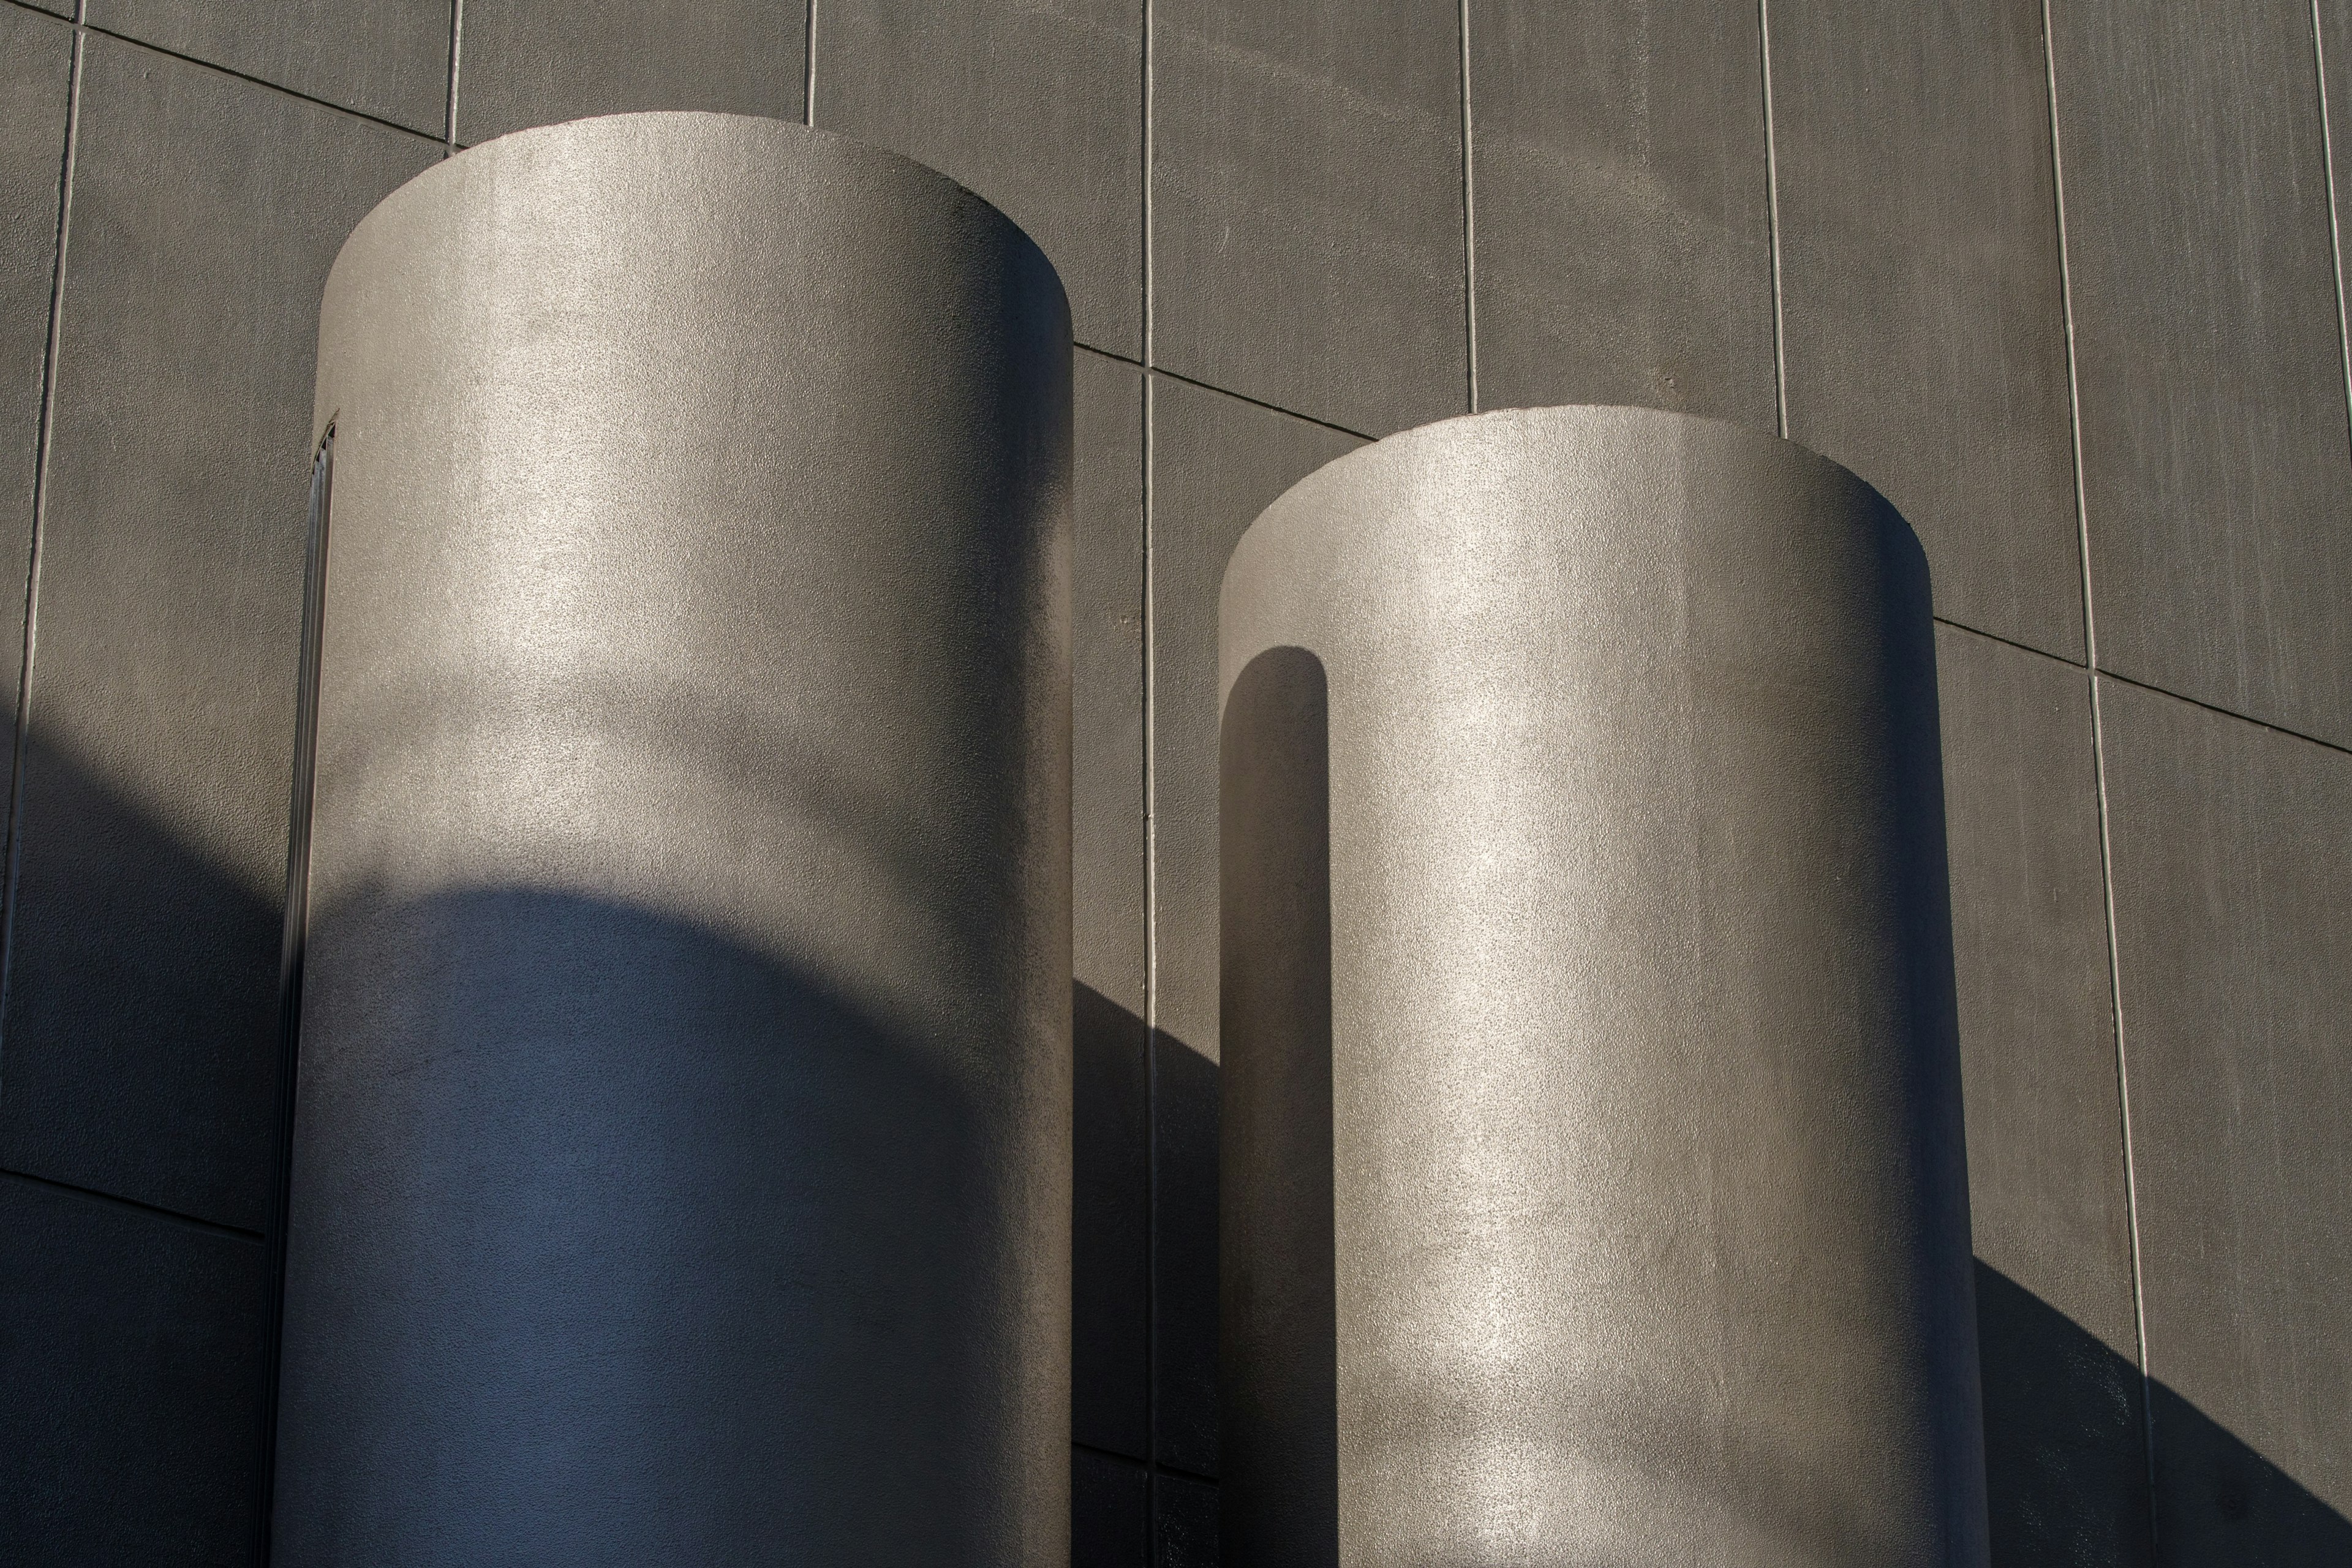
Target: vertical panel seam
column 2335, row 224
column 808, row 64
column 457, row 46
column 2099, row 763
column 1772, row 218
column 1150, row 65
column 42, row 439
column 1470, row 222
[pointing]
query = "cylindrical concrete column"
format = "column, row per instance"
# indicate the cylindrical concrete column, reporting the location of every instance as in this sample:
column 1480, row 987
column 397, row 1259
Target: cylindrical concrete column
column 682, row 1138
column 1593, row 1180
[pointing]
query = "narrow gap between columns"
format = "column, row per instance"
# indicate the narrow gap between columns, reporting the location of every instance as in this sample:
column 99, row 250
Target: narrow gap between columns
column 42, row 440
column 808, row 58
column 1469, row 220
column 1772, row 218
column 2335, row 224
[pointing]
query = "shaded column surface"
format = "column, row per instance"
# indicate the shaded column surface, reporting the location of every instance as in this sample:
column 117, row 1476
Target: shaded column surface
column 682, row 1136
column 1593, row 1183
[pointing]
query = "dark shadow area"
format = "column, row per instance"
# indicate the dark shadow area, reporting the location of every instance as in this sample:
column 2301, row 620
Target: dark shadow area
column 140, row 1029
column 615, row 1239
column 2066, row 1456
column 131, row 1350
column 1185, row 1228
column 1110, row 1227
column 2065, row 1447
column 138, row 1059
column 1280, row 1387
column 2219, row 1500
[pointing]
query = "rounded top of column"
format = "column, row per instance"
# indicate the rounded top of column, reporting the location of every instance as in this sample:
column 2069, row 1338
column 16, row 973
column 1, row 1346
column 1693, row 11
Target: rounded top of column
column 1603, row 503
column 528, row 198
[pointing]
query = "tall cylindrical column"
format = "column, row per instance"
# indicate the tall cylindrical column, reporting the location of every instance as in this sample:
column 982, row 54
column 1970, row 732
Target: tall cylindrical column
column 682, row 1138
column 1594, row 1179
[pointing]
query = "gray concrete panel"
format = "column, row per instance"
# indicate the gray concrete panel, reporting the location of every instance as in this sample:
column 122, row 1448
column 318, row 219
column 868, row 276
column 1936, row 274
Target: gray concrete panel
column 1625, row 240
column 682, row 1140
column 1307, row 224
column 389, row 58
column 1036, row 104
column 35, row 73
column 1604, row 913
column 142, row 1015
column 1924, row 319
column 2058, row 1341
column 2210, row 355
column 2232, row 865
column 535, row 62
column 1216, row 463
column 1110, row 1264
column 133, row 1359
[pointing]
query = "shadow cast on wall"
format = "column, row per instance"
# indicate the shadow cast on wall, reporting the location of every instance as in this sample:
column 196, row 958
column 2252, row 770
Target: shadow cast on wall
column 2067, row 1433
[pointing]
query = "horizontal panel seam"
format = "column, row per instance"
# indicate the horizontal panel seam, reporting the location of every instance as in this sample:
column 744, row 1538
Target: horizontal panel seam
column 96, row 1195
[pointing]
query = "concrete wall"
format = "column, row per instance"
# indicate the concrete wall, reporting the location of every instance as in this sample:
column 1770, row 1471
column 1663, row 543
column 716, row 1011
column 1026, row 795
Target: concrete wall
column 2075, row 304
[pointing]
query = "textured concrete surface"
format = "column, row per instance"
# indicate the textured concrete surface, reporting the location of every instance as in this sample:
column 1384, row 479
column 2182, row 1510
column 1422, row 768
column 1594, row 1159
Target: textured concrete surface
column 682, row 1147
column 1594, row 1187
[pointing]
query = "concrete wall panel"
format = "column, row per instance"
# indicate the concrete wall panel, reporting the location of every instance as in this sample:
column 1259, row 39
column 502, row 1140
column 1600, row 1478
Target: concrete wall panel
column 1624, row 239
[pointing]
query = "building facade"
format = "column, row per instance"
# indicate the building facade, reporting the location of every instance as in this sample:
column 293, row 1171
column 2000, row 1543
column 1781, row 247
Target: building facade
column 2065, row 281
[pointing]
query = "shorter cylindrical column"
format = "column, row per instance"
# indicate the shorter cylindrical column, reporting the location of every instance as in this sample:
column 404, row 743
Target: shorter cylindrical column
column 1593, row 1184
column 682, row 1150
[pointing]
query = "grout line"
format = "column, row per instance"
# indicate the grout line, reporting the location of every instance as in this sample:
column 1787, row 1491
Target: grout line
column 2225, row 713
column 2080, row 667
column 1256, row 402
column 2123, row 1096
column 1772, row 218
column 44, row 433
column 2072, row 664
column 1150, row 63
column 1470, row 220
column 2066, row 309
column 457, row 51
column 93, row 29
column 158, row 1210
column 808, row 57
column 2099, row 771
column 2334, row 225
column 1150, row 948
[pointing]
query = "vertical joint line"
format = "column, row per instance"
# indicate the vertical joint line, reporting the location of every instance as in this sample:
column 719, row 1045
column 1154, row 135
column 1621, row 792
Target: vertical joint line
column 1149, row 63
column 2099, row 765
column 808, row 59
column 1469, row 221
column 2335, row 224
column 42, row 440
column 2123, row 1096
column 1151, row 972
column 457, row 48
column 2066, row 311
column 1772, row 220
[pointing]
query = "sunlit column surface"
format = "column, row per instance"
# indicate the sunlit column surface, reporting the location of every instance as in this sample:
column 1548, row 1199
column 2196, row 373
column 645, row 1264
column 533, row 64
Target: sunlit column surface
column 1593, row 1187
